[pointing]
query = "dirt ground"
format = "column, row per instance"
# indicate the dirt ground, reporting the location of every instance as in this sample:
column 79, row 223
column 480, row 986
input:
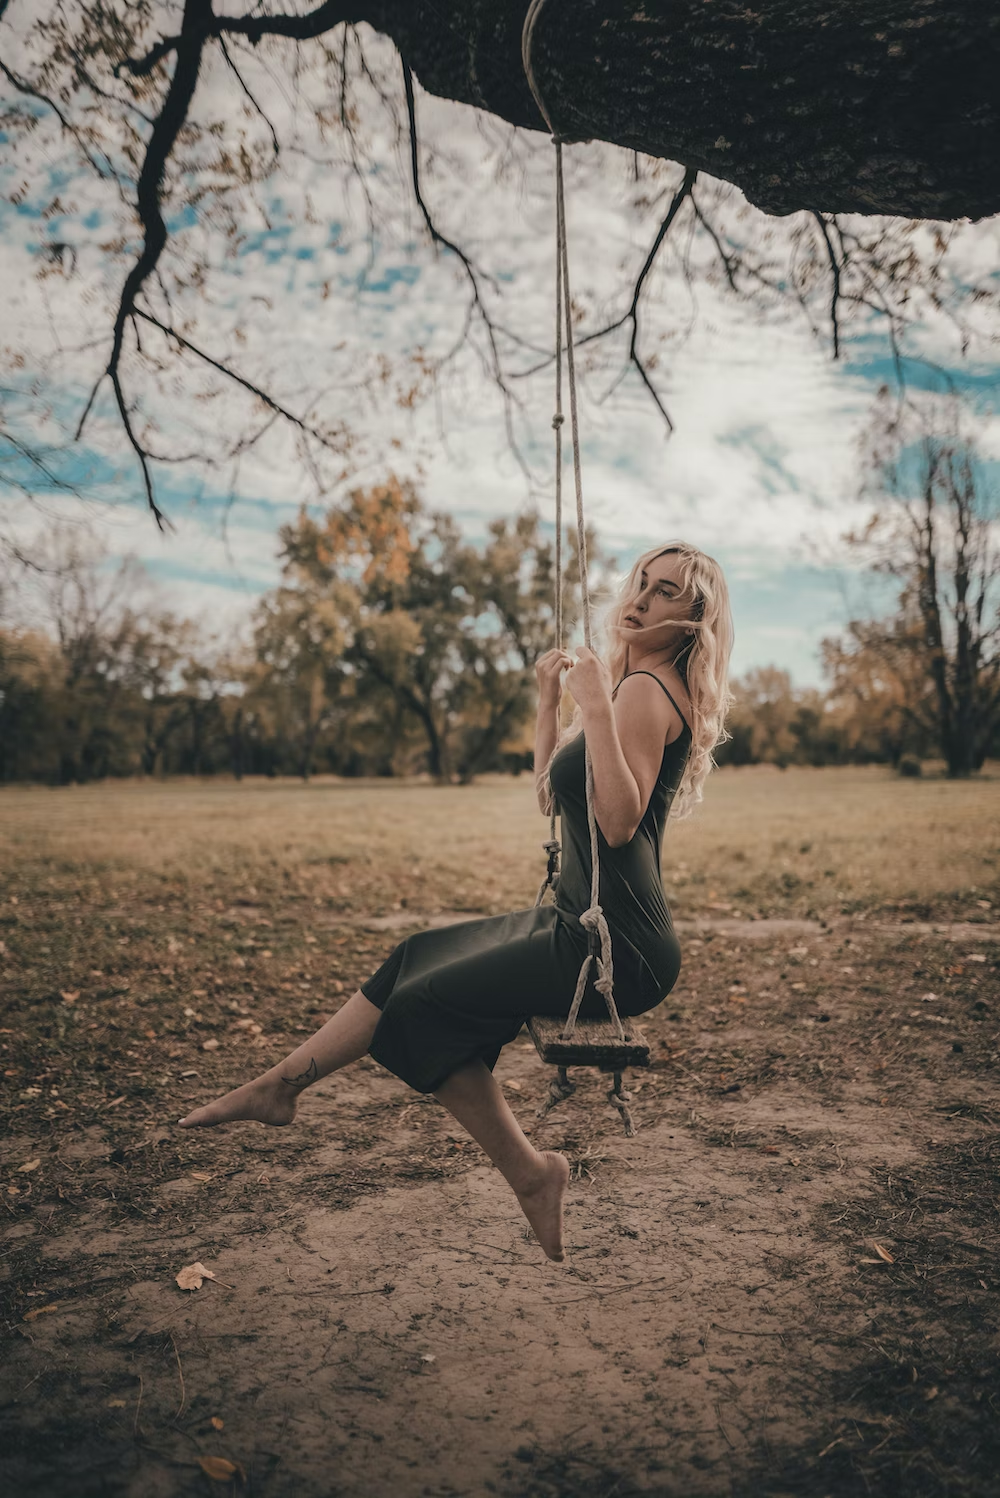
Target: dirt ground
column 785, row 1284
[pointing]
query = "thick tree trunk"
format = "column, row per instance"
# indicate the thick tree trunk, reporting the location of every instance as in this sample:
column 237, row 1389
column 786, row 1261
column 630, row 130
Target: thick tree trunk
column 867, row 106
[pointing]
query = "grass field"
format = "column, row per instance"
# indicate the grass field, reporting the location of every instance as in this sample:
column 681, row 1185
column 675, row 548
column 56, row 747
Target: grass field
column 785, row 1285
column 764, row 841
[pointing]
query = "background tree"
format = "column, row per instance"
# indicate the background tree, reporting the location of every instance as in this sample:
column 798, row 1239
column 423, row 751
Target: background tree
column 933, row 532
column 296, row 679
column 773, row 722
column 880, row 694
column 440, row 636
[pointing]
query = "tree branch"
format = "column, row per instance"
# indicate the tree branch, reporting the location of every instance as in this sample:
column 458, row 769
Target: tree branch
column 24, row 87
column 632, row 313
column 166, row 127
column 298, row 28
column 243, row 85
column 438, row 238
column 237, row 379
column 835, row 289
column 139, row 450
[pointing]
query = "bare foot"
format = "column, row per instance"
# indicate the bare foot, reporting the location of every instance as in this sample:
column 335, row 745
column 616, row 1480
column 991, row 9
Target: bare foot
column 263, row 1101
column 542, row 1203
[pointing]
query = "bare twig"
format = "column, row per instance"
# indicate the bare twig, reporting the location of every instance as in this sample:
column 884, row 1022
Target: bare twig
column 729, row 262
column 138, row 1406
column 166, row 127
column 180, row 1375
column 137, row 447
column 631, row 315
column 297, row 28
column 835, row 288
column 237, row 378
column 246, row 89
column 24, row 87
column 472, row 275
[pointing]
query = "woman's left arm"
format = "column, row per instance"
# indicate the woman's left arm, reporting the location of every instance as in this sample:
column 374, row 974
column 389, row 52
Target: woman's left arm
column 625, row 738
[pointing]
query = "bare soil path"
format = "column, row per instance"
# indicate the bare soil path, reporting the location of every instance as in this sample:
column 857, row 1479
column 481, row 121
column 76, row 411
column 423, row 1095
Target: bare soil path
column 786, row 1284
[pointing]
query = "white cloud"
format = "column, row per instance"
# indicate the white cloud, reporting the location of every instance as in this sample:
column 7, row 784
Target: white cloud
column 760, row 469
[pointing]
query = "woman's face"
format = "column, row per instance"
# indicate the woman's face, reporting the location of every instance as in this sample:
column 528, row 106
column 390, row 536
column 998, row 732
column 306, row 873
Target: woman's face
column 660, row 601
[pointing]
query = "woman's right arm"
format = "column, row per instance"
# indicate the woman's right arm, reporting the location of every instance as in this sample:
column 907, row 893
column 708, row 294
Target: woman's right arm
column 548, row 669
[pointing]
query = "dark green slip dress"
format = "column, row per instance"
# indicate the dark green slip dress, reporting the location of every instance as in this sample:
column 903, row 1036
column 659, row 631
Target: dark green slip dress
column 461, row 992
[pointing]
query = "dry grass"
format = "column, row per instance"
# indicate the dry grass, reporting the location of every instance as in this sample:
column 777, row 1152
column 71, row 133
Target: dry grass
column 763, row 842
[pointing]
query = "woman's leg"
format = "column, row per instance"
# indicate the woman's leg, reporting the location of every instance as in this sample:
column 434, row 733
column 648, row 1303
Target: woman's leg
column 539, row 1180
column 272, row 1097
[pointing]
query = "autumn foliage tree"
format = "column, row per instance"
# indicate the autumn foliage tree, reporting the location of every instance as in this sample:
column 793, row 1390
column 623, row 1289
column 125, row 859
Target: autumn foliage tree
column 439, row 635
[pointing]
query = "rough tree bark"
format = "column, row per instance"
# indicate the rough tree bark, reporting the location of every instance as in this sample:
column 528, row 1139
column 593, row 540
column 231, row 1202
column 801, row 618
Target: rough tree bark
column 864, row 106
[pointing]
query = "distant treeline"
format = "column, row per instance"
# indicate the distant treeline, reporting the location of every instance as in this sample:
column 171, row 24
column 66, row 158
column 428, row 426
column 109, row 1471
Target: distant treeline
column 391, row 647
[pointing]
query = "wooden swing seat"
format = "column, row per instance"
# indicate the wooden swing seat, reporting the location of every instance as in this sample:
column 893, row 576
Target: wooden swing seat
column 592, row 1043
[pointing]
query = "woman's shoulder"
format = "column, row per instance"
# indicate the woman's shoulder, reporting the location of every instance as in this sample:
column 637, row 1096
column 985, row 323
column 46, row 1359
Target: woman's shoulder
column 671, row 689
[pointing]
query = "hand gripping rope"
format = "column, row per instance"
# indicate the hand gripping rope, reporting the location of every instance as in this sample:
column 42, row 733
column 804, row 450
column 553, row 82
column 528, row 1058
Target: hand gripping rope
column 593, row 919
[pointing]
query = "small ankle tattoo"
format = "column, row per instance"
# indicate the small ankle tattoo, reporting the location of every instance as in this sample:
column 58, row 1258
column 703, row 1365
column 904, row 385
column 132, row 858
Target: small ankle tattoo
column 304, row 1078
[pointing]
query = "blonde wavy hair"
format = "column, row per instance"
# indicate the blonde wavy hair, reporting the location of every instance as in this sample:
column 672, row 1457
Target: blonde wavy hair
column 703, row 663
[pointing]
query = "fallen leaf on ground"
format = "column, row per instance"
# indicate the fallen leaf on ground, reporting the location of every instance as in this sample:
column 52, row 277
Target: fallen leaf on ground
column 114, row 1403
column 40, row 1311
column 69, row 995
column 200, row 1175
column 210, row 1045
column 884, row 1254
column 217, row 1423
column 193, row 1276
column 29, row 1165
column 219, row 1469
column 428, row 1357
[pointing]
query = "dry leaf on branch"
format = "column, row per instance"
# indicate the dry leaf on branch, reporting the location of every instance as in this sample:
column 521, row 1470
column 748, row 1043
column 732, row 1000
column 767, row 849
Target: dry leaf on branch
column 193, row 1276
column 221, row 1470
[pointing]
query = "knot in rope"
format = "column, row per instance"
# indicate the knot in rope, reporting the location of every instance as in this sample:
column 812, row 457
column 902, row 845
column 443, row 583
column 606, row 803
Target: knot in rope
column 553, row 848
column 595, row 921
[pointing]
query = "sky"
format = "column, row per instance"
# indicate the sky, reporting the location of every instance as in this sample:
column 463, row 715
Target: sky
column 761, row 469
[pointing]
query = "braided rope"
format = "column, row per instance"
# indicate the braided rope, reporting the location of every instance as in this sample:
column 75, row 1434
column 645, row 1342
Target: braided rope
column 593, row 919
column 553, row 847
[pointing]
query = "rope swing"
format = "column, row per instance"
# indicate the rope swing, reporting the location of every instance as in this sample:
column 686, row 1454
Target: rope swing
column 593, row 918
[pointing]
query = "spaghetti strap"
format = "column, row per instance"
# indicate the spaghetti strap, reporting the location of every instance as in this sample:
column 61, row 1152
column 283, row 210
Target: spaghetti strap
column 665, row 688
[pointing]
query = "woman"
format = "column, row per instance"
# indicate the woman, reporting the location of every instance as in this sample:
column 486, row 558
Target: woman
column 439, row 1010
